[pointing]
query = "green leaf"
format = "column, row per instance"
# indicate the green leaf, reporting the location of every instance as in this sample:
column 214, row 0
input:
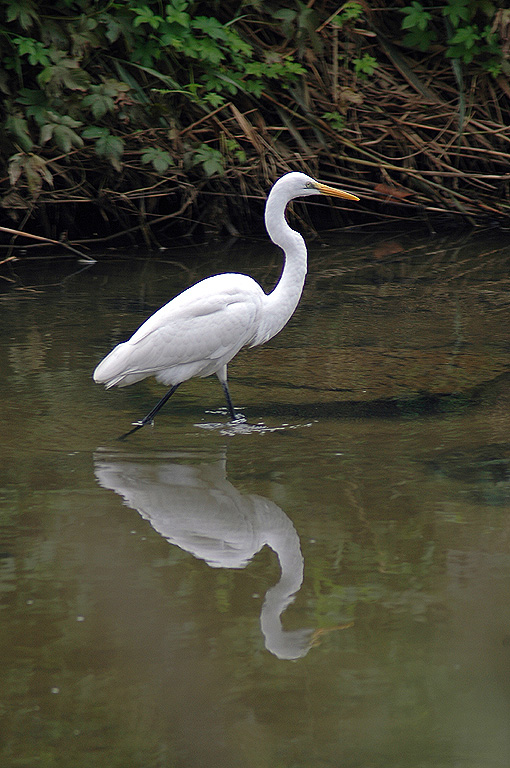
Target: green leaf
column 210, row 51
column 67, row 120
column 102, row 98
column 144, row 15
column 238, row 45
column 60, row 128
column 65, row 74
column 214, row 99
column 35, row 103
column 36, row 51
column 350, row 12
column 456, row 11
column 98, row 104
column 22, row 11
column 366, row 65
column 111, row 147
column 106, row 145
column 415, row 16
column 210, row 26
column 336, row 119
column 211, row 159
column 46, row 132
column 421, row 40
column 160, row 159
column 65, row 138
column 94, row 132
column 285, row 14
column 18, row 127
column 466, row 36
column 176, row 13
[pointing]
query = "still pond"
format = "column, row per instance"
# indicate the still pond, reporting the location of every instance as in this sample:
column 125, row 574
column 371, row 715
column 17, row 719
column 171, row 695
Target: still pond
column 325, row 584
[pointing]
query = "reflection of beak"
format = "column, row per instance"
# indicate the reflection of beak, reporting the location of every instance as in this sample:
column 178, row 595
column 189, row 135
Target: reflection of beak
column 318, row 633
column 325, row 190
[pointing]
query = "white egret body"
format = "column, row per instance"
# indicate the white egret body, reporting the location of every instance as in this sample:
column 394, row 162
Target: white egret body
column 199, row 331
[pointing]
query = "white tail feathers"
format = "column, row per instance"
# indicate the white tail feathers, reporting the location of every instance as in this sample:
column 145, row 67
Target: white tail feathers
column 114, row 370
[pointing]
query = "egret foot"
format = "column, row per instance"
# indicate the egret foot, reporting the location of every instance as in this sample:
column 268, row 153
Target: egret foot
column 136, row 426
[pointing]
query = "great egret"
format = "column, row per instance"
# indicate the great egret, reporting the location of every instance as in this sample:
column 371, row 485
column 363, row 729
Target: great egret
column 199, row 331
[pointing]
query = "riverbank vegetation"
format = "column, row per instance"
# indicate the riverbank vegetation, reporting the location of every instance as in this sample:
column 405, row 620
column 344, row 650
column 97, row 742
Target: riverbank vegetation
column 154, row 119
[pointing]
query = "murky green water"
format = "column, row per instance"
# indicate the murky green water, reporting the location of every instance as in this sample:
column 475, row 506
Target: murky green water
column 327, row 585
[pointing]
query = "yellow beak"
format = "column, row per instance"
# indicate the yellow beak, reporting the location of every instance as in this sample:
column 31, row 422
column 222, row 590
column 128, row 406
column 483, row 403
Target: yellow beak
column 325, row 190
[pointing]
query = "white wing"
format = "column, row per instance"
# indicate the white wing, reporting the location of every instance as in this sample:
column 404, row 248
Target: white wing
column 195, row 334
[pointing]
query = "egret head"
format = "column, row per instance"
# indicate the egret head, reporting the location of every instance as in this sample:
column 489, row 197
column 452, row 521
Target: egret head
column 297, row 184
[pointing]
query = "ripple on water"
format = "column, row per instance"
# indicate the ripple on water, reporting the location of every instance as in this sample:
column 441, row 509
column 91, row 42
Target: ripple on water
column 241, row 427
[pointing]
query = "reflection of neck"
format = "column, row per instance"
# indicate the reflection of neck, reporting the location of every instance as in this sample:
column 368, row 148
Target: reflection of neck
column 285, row 645
column 287, row 546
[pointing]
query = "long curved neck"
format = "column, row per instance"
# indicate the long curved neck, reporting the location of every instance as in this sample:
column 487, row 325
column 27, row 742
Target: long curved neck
column 283, row 300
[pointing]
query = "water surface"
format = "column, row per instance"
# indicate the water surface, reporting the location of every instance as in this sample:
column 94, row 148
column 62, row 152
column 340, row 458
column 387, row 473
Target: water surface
column 325, row 584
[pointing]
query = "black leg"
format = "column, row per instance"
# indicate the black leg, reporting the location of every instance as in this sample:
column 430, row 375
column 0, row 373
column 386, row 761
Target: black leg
column 229, row 400
column 150, row 416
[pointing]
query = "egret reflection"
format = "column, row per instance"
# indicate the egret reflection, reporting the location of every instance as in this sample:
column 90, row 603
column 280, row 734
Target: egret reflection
column 196, row 508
